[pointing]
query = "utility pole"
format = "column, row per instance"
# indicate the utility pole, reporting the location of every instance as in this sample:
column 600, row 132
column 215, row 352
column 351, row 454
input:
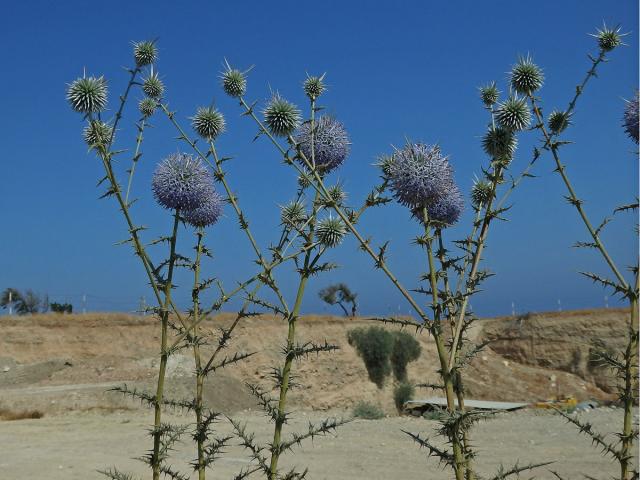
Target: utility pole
column 606, row 301
column 559, row 305
column 10, row 302
column 143, row 305
column 84, row 303
column 513, row 309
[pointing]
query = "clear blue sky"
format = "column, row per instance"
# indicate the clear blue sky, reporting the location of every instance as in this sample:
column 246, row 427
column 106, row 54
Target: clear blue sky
column 395, row 70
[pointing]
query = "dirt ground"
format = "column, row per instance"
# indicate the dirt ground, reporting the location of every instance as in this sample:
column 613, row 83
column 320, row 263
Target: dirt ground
column 75, row 446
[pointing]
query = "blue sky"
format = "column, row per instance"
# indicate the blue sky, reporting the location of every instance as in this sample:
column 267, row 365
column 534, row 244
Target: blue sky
column 395, row 70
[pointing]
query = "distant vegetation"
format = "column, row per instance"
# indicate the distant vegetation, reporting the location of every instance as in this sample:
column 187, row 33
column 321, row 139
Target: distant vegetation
column 384, row 352
column 367, row 411
column 340, row 294
column 23, row 303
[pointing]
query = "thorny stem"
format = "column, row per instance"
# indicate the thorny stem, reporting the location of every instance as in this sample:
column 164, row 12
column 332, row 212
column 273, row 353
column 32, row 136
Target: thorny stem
column 630, row 387
column 197, row 357
column 436, row 331
column 573, row 198
column 319, row 187
column 163, row 350
column 471, row 279
column 290, row 356
column 134, row 160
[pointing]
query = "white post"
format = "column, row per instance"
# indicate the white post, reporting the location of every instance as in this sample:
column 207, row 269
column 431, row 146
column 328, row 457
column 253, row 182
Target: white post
column 606, row 302
column 10, row 301
column 513, row 309
column 559, row 305
column 84, row 303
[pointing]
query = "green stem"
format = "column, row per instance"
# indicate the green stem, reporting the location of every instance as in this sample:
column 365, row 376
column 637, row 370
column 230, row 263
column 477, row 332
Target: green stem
column 436, row 331
column 200, row 438
column 134, row 161
column 471, row 279
column 574, row 200
column 164, row 317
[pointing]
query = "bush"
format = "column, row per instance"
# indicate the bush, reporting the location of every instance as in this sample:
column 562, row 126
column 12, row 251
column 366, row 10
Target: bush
column 402, row 394
column 367, row 411
column 405, row 349
column 374, row 345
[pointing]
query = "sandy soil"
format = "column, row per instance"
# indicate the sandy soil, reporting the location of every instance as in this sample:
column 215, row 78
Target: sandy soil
column 75, row 446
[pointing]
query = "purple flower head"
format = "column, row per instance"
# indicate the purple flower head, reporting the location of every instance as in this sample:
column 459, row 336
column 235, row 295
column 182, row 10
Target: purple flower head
column 207, row 213
column 181, row 182
column 448, row 209
column 630, row 119
column 419, row 175
column 330, row 141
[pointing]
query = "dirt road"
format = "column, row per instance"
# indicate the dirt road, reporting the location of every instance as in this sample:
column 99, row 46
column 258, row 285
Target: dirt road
column 74, row 446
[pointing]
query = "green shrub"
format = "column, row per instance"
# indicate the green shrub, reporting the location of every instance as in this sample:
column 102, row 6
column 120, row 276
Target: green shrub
column 367, row 411
column 374, row 345
column 402, row 394
column 405, row 349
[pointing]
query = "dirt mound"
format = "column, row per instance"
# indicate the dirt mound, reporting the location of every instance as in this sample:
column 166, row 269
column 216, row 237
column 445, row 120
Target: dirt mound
column 566, row 341
column 68, row 362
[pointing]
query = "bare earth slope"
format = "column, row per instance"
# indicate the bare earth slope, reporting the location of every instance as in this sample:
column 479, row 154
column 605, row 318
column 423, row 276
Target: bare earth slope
column 58, row 363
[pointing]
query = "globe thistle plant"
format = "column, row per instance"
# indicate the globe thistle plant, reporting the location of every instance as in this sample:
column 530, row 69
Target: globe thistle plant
column 294, row 214
column 608, row 38
column 208, row 123
column 88, row 94
column 97, row 134
column 281, row 116
column 630, row 118
column 152, row 86
column 500, row 143
column 481, row 193
column 314, row 87
column 181, row 182
column 489, row 94
column 419, row 175
column 147, row 107
column 514, row 114
column 330, row 141
column 208, row 213
column 145, row 53
column 526, row 76
column 330, row 232
column 558, row 121
column 234, row 82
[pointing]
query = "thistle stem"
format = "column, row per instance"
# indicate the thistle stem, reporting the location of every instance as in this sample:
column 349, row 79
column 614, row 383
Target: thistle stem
column 164, row 317
column 573, row 198
column 436, row 331
column 134, row 161
column 200, row 435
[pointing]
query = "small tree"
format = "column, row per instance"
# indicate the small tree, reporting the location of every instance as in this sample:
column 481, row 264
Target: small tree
column 61, row 307
column 405, row 349
column 29, row 303
column 340, row 294
column 374, row 345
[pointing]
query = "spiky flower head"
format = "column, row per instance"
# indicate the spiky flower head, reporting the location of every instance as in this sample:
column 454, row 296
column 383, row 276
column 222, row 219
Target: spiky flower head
column 147, row 107
column 419, row 175
column 558, row 121
column 513, row 113
column 234, row 82
column 489, row 94
column 208, row 213
column 314, row 87
column 608, row 38
column 293, row 214
column 630, row 118
column 281, row 116
column 208, row 123
column 303, row 181
column 337, row 196
column 181, row 182
column 499, row 143
column 526, row 76
column 384, row 163
column 152, row 86
column 88, row 94
column 481, row 193
column 145, row 53
column 444, row 212
column 330, row 141
column 330, row 231
column 97, row 134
